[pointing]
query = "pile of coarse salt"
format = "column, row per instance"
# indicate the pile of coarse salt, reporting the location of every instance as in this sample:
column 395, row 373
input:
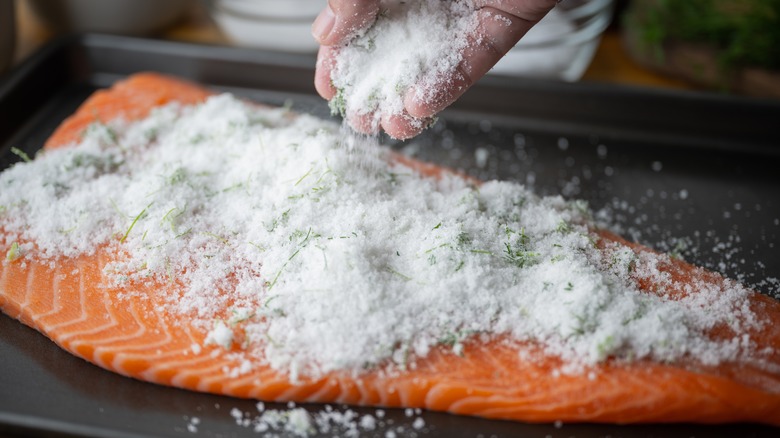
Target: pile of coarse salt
column 413, row 44
column 323, row 252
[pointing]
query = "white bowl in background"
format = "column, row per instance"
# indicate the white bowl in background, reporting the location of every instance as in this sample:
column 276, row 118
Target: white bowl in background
column 284, row 9
column 562, row 45
column 268, row 24
column 128, row 17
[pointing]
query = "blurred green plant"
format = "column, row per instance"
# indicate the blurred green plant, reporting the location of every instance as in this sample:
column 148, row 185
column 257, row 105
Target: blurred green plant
column 744, row 32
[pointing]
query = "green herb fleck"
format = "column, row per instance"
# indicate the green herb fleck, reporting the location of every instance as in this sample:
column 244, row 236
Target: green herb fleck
column 394, row 272
column 21, row 154
column 463, row 239
column 14, row 252
column 129, row 229
column 563, row 227
column 338, row 105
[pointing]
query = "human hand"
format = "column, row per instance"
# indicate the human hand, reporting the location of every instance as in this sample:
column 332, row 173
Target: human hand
column 500, row 24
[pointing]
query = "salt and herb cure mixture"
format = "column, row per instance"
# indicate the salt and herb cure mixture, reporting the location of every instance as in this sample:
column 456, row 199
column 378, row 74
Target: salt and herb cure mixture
column 412, row 45
column 316, row 252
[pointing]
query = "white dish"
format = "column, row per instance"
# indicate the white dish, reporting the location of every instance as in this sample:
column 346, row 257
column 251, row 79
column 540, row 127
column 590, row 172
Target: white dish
column 562, row 45
column 284, row 9
column 266, row 24
column 129, row 17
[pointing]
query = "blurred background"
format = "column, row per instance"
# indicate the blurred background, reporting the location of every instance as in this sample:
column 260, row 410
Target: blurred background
column 723, row 46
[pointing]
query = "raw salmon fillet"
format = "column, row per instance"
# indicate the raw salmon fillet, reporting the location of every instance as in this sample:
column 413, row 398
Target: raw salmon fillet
column 132, row 337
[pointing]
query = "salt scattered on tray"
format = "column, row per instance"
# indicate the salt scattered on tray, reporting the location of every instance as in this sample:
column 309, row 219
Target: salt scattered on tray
column 326, row 421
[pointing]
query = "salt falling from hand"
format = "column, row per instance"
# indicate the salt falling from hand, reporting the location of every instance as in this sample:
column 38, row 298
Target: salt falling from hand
column 413, row 44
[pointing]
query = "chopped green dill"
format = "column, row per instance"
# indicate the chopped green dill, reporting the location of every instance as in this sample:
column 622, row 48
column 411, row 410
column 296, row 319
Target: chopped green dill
column 276, row 221
column 398, row 254
column 198, row 138
column 563, row 227
column 304, row 176
column 257, row 246
column 679, row 248
column 460, row 266
column 68, row 230
column 169, row 270
column 116, row 208
column 394, row 272
column 21, row 154
column 235, row 186
column 437, row 226
column 170, row 217
column 557, row 258
column 327, row 172
column 455, row 340
column 450, row 339
column 129, row 229
column 179, row 175
column 239, row 317
column 605, row 347
column 306, row 240
column 297, row 234
column 481, row 251
column 271, row 298
column 520, row 256
column 151, row 134
column 432, row 260
column 581, row 328
column 436, row 247
column 216, row 236
column 431, row 122
column 392, row 177
column 338, row 105
column 13, row 253
column 463, row 239
column 569, row 287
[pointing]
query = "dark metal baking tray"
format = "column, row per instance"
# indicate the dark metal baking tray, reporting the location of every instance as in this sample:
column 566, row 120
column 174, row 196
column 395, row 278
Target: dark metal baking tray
column 663, row 165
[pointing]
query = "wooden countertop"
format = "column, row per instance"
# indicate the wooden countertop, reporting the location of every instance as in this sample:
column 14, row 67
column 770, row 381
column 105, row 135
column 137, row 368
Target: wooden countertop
column 611, row 64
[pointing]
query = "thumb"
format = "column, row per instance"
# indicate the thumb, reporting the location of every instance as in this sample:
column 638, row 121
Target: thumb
column 342, row 19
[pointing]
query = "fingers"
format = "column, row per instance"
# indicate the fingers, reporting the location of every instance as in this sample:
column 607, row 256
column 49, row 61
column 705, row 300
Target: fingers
column 402, row 126
column 326, row 61
column 341, row 19
column 500, row 24
column 364, row 123
column 398, row 126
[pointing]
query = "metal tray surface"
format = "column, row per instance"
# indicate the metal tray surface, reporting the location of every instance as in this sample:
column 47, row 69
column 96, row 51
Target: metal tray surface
column 688, row 172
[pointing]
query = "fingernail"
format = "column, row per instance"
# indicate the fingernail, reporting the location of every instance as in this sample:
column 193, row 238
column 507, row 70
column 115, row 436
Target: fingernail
column 322, row 26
